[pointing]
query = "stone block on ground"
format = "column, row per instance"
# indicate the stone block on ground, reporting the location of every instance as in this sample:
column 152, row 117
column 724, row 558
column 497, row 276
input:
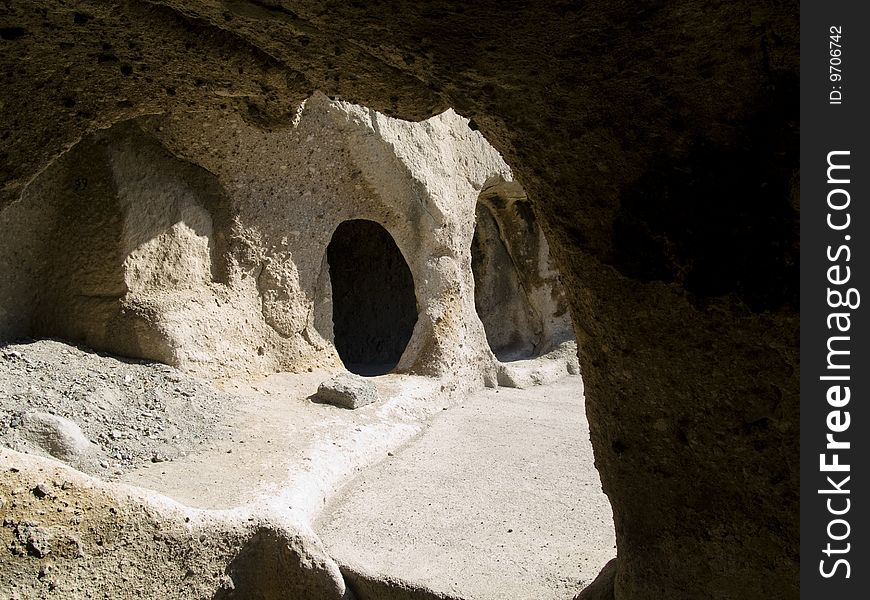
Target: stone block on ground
column 347, row 391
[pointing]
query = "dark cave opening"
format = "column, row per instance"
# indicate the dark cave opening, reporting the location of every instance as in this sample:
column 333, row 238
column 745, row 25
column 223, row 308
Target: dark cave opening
column 374, row 305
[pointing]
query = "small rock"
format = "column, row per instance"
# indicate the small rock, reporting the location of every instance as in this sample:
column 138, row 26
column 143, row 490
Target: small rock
column 41, row 491
column 36, row 539
column 56, row 435
column 347, row 391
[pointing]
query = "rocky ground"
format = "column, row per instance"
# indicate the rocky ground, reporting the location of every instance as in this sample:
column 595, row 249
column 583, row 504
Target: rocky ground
column 132, row 412
column 432, row 490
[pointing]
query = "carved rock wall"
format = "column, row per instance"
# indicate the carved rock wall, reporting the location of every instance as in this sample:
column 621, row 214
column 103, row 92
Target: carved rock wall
column 658, row 142
column 202, row 241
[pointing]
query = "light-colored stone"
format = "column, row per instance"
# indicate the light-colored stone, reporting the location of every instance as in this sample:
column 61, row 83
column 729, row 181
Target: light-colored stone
column 347, row 391
column 128, row 544
column 217, row 263
column 60, row 437
column 485, row 504
column 541, row 370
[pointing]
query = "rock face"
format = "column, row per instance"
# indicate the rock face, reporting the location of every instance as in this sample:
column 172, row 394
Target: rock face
column 514, row 279
column 224, row 265
column 347, row 391
column 657, row 142
column 545, row 369
column 86, row 534
column 275, row 564
column 100, row 414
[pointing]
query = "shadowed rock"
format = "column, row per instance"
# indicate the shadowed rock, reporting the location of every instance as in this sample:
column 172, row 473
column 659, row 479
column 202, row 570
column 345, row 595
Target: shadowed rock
column 659, row 145
column 275, row 565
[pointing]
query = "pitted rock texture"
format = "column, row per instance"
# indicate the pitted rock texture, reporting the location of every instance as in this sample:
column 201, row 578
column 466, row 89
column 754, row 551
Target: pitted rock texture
column 203, row 242
column 84, row 535
column 658, row 143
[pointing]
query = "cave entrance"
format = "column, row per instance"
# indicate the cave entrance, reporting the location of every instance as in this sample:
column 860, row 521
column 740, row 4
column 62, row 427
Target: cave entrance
column 518, row 293
column 374, row 308
column 499, row 297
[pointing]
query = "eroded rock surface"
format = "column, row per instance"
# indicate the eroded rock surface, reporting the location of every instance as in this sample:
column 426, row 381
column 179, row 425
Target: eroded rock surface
column 83, row 535
column 60, row 437
column 203, row 242
column 657, row 142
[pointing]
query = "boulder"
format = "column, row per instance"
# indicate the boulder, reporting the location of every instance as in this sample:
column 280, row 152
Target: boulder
column 60, row 437
column 347, row 391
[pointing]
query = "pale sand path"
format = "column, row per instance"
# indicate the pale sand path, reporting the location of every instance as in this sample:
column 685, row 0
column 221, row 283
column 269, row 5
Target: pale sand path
column 497, row 499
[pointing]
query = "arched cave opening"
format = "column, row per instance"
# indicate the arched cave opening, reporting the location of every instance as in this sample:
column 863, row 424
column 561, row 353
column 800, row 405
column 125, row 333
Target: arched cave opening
column 374, row 308
column 500, row 298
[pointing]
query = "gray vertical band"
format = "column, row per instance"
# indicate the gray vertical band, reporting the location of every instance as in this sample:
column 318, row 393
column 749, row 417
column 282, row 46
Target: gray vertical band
column 835, row 268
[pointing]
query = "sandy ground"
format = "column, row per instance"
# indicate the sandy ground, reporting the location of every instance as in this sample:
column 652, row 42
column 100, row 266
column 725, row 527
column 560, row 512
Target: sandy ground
column 491, row 494
column 287, row 452
column 496, row 499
